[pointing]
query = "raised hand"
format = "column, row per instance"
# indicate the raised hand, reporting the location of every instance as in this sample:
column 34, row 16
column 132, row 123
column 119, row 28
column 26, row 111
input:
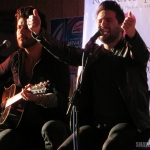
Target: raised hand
column 129, row 25
column 34, row 22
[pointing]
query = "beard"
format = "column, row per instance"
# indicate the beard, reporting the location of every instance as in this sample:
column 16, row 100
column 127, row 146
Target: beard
column 113, row 35
column 26, row 42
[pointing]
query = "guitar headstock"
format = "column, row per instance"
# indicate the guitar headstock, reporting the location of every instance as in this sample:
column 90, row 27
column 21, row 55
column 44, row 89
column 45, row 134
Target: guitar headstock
column 39, row 88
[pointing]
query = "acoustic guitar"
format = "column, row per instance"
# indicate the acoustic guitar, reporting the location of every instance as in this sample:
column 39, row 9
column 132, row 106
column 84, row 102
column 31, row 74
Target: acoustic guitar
column 12, row 107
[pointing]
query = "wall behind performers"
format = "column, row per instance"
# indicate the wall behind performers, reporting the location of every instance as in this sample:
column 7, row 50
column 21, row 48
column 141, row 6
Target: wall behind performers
column 52, row 8
column 70, row 31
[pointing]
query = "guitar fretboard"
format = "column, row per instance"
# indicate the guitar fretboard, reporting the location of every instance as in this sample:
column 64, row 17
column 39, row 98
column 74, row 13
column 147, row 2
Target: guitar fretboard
column 13, row 99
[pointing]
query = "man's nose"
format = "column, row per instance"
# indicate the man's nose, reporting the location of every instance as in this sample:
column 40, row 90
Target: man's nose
column 103, row 23
column 22, row 29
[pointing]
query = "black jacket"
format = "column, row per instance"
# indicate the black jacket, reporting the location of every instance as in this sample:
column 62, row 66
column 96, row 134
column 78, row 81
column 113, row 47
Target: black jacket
column 134, row 88
column 46, row 69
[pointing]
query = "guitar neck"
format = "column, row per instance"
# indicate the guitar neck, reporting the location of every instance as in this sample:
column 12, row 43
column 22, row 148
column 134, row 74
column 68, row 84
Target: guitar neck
column 13, row 99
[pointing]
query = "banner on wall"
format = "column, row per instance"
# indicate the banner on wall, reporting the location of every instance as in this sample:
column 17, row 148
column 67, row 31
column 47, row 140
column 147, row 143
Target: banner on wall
column 69, row 31
column 58, row 27
column 139, row 8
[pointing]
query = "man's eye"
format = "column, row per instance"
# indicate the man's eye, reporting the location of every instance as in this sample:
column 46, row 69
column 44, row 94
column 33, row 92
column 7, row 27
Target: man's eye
column 109, row 20
column 99, row 21
column 18, row 27
column 22, row 27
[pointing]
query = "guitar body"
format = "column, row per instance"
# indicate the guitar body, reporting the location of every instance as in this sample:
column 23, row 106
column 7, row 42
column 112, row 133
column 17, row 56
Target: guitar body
column 10, row 116
column 13, row 107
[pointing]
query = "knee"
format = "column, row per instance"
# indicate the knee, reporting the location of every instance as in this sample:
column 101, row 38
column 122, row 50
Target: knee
column 7, row 134
column 109, row 144
column 54, row 126
column 11, row 137
column 48, row 127
column 85, row 129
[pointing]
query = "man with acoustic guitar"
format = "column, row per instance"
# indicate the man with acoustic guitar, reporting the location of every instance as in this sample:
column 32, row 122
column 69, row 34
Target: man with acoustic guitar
column 35, row 99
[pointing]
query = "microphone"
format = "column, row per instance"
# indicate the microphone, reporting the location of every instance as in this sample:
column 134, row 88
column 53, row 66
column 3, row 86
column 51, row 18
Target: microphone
column 5, row 44
column 100, row 32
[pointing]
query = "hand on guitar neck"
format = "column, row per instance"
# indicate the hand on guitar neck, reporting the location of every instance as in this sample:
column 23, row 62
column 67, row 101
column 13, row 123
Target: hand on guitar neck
column 11, row 116
column 27, row 95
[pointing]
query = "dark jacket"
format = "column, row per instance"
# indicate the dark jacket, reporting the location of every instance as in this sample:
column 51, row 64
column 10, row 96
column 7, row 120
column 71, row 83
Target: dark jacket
column 46, row 69
column 134, row 88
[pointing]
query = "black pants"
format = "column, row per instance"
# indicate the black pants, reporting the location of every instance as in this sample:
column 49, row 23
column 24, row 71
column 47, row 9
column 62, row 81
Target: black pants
column 53, row 133
column 120, row 137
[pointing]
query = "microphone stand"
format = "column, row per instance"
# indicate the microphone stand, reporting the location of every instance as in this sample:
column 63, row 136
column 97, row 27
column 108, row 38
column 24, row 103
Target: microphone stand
column 73, row 106
column 73, row 111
